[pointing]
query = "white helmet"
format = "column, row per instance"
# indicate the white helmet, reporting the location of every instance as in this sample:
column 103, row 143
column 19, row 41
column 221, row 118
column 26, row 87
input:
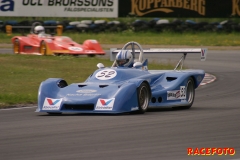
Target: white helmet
column 39, row 29
column 124, row 58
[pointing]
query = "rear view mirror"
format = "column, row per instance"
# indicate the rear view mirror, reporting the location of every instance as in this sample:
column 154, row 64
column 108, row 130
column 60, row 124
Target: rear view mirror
column 137, row 64
column 100, row 65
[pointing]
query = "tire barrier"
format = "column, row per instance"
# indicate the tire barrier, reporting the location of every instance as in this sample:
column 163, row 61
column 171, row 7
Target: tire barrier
column 153, row 25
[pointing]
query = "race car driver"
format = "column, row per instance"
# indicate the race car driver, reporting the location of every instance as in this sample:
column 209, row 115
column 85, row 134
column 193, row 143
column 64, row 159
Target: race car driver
column 124, row 58
column 39, row 30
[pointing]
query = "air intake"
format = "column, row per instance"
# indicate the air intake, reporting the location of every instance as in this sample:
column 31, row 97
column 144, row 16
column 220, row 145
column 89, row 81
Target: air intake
column 159, row 99
column 171, row 78
column 103, row 86
column 81, row 85
column 79, row 107
column 153, row 100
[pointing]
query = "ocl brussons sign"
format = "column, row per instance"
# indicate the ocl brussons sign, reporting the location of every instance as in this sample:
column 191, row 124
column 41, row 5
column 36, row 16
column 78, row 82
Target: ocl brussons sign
column 59, row 8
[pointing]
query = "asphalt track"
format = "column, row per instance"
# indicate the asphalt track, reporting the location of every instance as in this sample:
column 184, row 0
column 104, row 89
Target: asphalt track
column 212, row 122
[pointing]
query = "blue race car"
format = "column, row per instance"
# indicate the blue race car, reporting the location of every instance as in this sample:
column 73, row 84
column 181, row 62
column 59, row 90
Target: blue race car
column 126, row 86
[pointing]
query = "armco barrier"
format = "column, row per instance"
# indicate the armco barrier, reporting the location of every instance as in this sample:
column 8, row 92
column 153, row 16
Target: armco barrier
column 154, row 25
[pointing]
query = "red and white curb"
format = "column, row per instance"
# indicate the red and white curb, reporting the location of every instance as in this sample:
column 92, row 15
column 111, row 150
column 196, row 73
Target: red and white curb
column 208, row 78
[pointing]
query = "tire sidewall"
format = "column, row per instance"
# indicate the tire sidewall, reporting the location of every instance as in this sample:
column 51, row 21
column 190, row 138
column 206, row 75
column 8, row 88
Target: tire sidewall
column 143, row 109
column 43, row 44
column 18, row 43
column 190, row 81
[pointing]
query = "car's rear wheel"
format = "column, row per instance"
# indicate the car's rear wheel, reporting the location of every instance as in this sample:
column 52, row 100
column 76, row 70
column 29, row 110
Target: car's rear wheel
column 58, row 54
column 16, row 46
column 143, row 93
column 43, row 48
column 190, row 93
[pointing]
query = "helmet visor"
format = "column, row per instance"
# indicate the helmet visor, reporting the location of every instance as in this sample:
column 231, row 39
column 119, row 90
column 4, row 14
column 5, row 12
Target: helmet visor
column 41, row 31
column 122, row 62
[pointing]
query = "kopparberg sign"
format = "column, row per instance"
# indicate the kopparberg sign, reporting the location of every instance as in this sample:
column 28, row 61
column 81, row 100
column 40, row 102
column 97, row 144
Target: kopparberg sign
column 235, row 7
column 142, row 7
column 59, row 8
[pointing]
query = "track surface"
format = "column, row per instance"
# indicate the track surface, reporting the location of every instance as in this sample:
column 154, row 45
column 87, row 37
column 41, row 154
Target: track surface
column 213, row 121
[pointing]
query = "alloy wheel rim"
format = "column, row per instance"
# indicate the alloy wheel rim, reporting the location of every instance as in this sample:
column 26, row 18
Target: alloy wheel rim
column 16, row 47
column 143, row 97
column 42, row 49
column 189, row 92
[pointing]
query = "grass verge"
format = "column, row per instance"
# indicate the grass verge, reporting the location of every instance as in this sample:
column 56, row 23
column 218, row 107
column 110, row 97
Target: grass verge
column 153, row 38
column 21, row 75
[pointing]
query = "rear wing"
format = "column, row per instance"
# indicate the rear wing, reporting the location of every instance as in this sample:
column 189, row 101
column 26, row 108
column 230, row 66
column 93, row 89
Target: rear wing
column 59, row 28
column 184, row 51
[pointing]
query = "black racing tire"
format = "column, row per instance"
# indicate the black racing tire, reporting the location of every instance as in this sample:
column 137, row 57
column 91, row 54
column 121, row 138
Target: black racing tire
column 16, row 46
column 75, row 55
column 57, row 54
column 190, row 93
column 43, row 48
column 144, row 95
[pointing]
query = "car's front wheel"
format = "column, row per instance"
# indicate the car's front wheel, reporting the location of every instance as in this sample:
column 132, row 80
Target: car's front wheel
column 16, row 46
column 144, row 96
column 43, row 48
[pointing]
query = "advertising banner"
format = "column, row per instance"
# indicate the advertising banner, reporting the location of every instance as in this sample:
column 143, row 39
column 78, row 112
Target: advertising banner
column 59, row 8
column 180, row 8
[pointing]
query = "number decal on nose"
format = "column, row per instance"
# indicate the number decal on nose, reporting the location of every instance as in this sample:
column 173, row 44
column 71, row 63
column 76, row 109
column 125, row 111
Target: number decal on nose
column 75, row 48
column 106, row 74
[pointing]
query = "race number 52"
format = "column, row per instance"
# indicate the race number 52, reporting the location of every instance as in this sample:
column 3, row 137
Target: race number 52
column 106, row 74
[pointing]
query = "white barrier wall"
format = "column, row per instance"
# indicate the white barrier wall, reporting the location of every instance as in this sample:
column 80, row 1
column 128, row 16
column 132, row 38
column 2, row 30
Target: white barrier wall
column 59, row 8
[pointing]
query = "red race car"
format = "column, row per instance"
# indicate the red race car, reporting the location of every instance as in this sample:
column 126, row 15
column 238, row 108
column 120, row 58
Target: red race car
column 40, row 43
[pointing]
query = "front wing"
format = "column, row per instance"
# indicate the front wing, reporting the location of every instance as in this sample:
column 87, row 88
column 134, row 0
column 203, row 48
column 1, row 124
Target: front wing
column 73, row 99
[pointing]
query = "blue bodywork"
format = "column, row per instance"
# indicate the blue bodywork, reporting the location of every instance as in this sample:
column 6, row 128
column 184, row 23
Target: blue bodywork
column 114, row 90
